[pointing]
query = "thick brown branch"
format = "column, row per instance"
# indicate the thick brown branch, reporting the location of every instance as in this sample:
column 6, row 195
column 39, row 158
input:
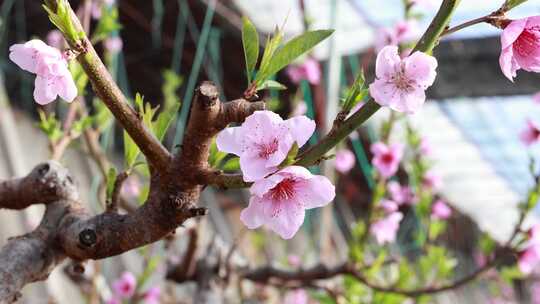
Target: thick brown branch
column 32, row 257
column 208, row 116
column 237, row 111
column 224, row 180
column 47, row 183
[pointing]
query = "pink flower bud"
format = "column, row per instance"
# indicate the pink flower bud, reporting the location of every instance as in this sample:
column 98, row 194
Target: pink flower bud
column 440, row 210
column 345, row 160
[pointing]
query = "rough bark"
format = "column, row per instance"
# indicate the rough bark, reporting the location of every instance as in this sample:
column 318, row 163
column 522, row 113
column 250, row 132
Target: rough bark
column 69, row 230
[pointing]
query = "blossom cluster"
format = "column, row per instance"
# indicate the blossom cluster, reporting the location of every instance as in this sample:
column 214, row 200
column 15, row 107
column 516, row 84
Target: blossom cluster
column 386, row 160
column 279, row 195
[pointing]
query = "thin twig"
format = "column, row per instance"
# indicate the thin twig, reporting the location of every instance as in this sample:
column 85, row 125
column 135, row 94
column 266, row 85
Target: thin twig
column 112, row 205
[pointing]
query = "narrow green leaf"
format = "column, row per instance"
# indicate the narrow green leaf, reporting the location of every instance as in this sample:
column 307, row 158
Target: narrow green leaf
column 356, row 93
column 131, row 151
column 271, row 85
column 510, row 4
column 291, row 156
column 232, row 164
column 111, row 179
column 107, row 24
column 292, row 50
column 250, row 42
column 163, row 122
column 271, row 46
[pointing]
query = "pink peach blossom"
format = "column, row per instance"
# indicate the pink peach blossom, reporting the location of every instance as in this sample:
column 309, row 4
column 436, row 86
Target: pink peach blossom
column 401, row 83
column 296, row 296
column 440, row 210
column 520, row 47
column 124, row 287
column 151, row 296
column 345, row 160
column 425, row 147
column 385, row 230
column 279, row 201
column 300, row 109
column 132, row 187
column 388, row 205
column 401, row 194
column 113, row 44
column 263, row 141
column 432, row 180
column 294, row 260
column 529, row 259
column 531, row 134
column 402, row 32
column 55, row 39
column 535, row 293
column 113, row 300
column 309, row 70
column 53, row 77
column 97, row 7
column 536, row 98
column 386, row 158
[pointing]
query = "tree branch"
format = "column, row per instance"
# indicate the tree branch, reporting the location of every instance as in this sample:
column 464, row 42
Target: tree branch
column 32, row 257
column 323, row 272
column 107, row 90
column 208, row 116
column 47, row 183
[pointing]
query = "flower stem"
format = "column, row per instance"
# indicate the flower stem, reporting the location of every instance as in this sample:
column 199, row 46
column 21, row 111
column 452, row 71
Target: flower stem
column 466, row 24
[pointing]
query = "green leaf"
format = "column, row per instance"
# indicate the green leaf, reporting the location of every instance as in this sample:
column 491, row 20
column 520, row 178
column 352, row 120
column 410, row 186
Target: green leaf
column 436, row 228
column 510, row 274
column 50, row 126
column 510, row 4
column 163, row 122
column 290, row 51
column 250, row 42
column 171, row 84
column 103, row 117
column 232, row 164
column 79, row 76
column 216, row 156
column 111, row 179
column 271, row 85
column 376, row 266
column 150, row 268
column 356, row 93
column 62, row 20
column 82, row 124
column 271, row 46
column 131, row 151
column 291, row 156
column 108, row 23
